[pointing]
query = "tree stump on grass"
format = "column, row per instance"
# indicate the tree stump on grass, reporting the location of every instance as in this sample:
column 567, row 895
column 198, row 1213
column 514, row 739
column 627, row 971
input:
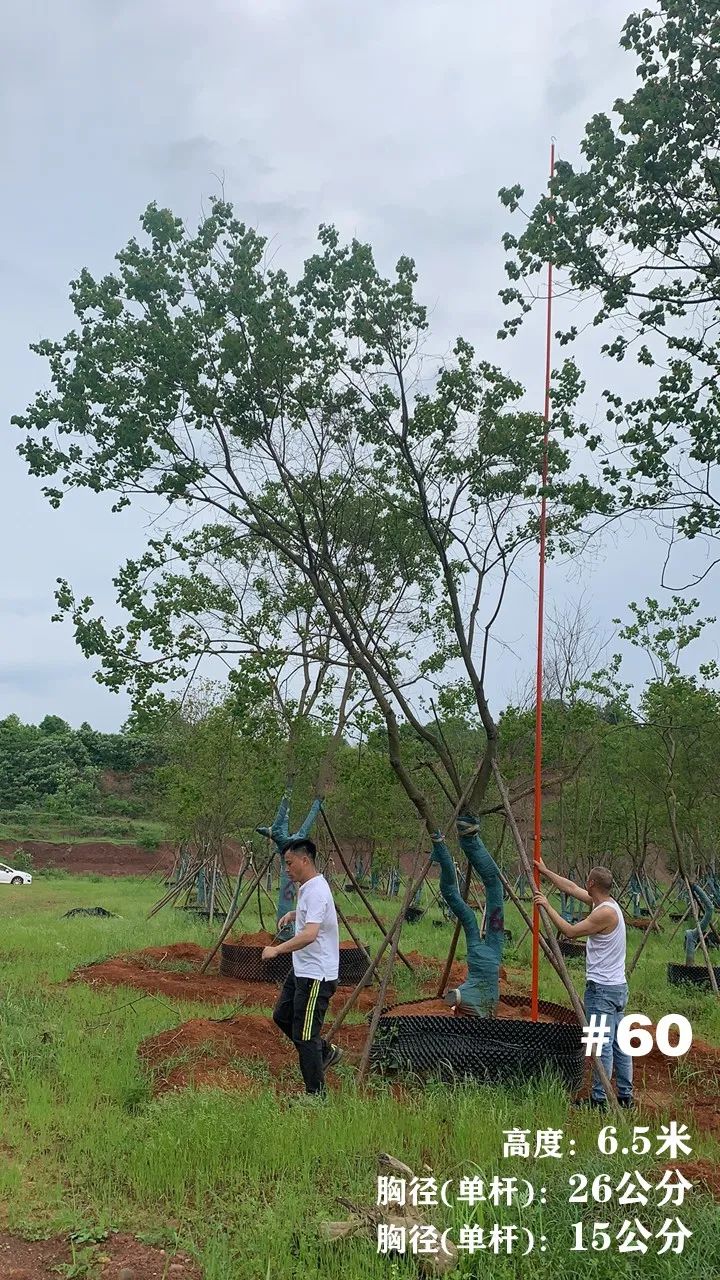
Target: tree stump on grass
column 364, row 1220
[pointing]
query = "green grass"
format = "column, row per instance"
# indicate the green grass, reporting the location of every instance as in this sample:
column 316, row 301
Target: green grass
column 243, row 1181
column 40, row 825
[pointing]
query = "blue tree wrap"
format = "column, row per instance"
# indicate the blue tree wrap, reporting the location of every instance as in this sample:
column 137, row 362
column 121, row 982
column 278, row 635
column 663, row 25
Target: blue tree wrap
column 692, row 936
column 481, row 990
column 280, row 835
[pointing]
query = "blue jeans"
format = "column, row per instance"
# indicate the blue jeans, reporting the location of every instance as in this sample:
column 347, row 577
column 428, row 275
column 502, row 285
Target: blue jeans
column 611, row 1001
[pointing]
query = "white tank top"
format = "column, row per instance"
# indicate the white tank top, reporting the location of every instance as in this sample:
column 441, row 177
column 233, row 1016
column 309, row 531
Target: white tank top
column 605, row 953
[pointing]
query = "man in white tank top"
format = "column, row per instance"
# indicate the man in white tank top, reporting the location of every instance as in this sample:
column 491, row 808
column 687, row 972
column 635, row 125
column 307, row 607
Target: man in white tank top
column 606, row 989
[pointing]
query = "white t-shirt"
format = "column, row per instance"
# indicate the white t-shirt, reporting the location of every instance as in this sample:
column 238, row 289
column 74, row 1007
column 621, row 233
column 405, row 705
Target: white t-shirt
column 321, row 958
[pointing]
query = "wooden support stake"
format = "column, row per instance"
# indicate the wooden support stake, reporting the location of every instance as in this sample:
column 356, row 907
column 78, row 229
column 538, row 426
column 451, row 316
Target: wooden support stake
column 370, row 971
column 230, row 919
column 708, row 961
column 360, row 889
column 649, row 930
column 365, row 1059
column 561, row 967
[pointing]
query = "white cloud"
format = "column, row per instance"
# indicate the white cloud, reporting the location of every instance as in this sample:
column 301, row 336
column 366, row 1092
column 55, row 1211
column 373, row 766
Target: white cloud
column 396, row 119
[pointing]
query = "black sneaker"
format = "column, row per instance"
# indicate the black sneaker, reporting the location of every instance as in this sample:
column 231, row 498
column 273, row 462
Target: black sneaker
column 590, row 1104
column 335, row 1055
column 627, row 1103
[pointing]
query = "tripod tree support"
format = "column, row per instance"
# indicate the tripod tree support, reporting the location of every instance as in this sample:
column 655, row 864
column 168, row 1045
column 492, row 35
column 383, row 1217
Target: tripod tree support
column 359, row 889
column 653, row 922
column 230, row 919
column 701, row 937
column 560, row 965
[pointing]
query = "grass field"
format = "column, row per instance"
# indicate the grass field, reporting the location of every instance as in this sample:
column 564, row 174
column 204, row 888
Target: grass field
column 241, row 1181
column 21, row 824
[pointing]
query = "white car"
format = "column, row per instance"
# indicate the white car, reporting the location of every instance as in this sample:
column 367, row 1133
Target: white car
column 8, row 875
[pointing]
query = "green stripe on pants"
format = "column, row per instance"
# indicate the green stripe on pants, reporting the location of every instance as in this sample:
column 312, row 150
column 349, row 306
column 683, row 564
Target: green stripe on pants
column 310, row 1010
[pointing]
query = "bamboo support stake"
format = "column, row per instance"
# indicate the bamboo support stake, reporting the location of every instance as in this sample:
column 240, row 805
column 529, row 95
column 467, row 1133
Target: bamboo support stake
column 360, row 889
column 562, row 968
column 365, row 1059
column 708, row 962
column 229, row 922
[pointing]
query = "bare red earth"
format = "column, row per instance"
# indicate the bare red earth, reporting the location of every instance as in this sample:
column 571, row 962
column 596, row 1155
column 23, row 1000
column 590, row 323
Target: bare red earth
column 264, row 939
column 46, row 1259
column 203, row 1053
column 438, row 1009
column 153, row 972
column 101, row 858
column 703, row 1174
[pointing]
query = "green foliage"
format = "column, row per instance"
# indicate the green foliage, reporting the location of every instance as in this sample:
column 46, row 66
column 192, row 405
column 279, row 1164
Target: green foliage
column 357, row 517
column 58, row 768
column 22, row 860
column 123, row 806
column 634, row 233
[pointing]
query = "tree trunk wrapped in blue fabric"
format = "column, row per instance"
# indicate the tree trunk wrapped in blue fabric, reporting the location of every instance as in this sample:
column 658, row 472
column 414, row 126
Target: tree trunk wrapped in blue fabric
column 692, row 936
column 280, row 835
column 480, row 991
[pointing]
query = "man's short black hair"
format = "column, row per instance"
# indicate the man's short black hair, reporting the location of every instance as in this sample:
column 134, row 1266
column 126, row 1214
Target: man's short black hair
column 302, row 845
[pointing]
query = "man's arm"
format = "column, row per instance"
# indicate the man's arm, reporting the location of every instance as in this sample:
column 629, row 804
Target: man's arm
column 300, row 940
column 565, row 885
column 596, row 922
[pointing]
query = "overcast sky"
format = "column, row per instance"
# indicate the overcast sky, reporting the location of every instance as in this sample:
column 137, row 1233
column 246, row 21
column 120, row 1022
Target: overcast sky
column 397, row 120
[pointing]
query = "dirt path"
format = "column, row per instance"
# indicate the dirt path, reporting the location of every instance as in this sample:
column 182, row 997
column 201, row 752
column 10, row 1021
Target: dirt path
column 118, row 1255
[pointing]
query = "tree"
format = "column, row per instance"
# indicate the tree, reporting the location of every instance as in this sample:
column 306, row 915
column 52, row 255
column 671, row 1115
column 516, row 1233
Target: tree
column 219, row 769
column 635, row 233
column 302, row 418
column 675, row 728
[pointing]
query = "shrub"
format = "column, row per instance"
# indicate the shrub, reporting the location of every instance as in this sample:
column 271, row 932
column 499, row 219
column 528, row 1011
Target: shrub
column 123, row 806
column 148, row 840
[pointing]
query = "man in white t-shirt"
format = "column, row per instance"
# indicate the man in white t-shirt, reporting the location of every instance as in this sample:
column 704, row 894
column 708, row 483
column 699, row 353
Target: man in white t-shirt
column 313, row 979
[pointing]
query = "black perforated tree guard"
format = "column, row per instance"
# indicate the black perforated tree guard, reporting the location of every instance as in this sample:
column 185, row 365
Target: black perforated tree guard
column 695, row 975
column 90, row 911
column 571, row 950
column 413, row 914
column 492, row 1050
column 246, row 964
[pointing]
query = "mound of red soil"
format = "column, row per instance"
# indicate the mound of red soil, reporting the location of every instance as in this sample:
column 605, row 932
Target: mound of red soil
column 152, row 971
column 703, row 1174
column 438, row 1009
column 46, row 1259
column 264, row 939
column 694, row 1099
column 206, row 1053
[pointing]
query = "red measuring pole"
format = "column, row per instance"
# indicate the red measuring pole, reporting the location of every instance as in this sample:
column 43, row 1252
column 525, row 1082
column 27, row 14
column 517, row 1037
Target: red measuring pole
column 537, row 841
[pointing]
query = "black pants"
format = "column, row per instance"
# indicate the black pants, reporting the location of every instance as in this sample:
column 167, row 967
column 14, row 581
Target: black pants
column 299, row 1013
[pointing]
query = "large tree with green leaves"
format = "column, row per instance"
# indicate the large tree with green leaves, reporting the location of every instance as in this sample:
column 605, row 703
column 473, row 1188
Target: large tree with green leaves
column 302, row 418
column 634, row 232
